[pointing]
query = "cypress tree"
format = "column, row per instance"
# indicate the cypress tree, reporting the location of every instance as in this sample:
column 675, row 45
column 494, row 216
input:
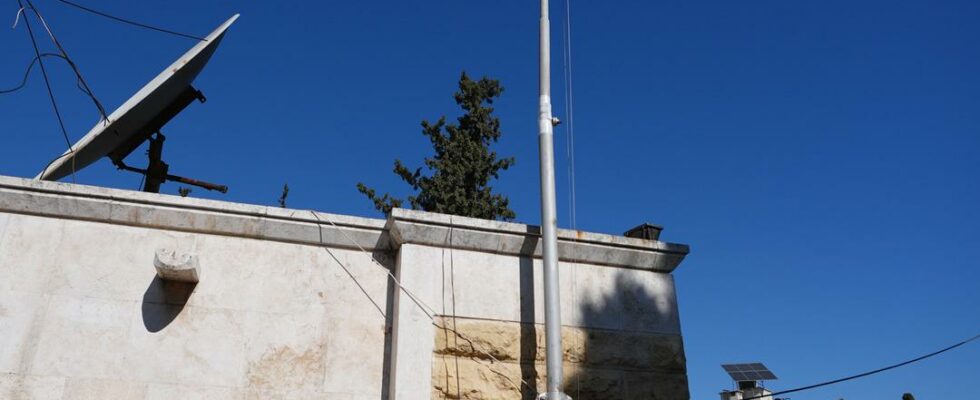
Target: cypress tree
column 460, row 172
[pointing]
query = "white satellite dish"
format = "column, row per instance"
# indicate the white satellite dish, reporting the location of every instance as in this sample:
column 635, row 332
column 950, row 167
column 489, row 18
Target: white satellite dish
column 142, row 116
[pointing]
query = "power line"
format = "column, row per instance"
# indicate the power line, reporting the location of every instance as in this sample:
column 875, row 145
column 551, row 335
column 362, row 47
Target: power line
column 861, row 375
column 126, row 21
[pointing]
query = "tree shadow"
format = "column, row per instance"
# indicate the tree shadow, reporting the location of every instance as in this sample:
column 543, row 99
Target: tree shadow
column 163, row 301
column 619, row 355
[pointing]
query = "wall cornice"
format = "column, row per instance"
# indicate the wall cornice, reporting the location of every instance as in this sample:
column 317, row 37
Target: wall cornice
column 125, row 207
column 149, row 210
column 441, row 230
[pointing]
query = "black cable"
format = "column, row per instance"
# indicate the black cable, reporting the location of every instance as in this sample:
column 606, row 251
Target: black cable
column 30, row 67
column 78, row 74
column 861, row 375
column 81, row 7
column 68, row 153
column 47, row 83
column 27, row 73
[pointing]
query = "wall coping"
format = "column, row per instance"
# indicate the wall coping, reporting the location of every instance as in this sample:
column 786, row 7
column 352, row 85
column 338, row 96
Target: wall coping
column 161, row 211
column 451, row 231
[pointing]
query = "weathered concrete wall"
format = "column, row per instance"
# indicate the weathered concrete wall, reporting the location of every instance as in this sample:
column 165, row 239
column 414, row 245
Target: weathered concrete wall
column 82, row 315
column 296, row 304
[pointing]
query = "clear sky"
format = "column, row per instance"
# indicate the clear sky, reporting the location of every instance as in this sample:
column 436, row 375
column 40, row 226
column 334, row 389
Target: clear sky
column 820, row 157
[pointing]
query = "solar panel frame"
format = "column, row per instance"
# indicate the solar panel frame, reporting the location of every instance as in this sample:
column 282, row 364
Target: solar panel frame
column 749, row 372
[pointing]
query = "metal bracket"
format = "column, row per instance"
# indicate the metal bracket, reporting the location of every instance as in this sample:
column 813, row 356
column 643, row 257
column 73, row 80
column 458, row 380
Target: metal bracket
column 156, row 171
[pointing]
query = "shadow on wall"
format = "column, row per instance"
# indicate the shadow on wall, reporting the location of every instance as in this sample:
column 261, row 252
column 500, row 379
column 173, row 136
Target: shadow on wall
column 163, row 301
column 529, row 338
column 616, row 357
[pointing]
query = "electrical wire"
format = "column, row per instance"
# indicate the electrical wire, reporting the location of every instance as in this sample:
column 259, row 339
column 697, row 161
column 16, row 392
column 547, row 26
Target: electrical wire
column 78, row 74
column 861, row 375
column 27, row 73
column 126, row 21
column 425, row 308
column 17, row 17
column 569, row 112
column 452, row 288
column 47, row 83
column 30, row 67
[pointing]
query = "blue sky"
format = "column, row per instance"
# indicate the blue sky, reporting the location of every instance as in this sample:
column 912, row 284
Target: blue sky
column 821, row 158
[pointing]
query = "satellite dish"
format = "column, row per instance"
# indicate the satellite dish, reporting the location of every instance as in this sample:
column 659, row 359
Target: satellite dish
column 142, row 116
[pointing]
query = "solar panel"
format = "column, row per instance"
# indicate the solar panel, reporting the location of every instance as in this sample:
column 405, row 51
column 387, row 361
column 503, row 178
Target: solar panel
column 749, row 372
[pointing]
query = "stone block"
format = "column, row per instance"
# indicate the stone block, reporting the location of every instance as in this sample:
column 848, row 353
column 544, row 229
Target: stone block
column 175, row 265
column 504, row 341
column 584, row 383
column 598, row 364
column 462, row 378
column 659, row 386
column 482, row 339
column 634, row 350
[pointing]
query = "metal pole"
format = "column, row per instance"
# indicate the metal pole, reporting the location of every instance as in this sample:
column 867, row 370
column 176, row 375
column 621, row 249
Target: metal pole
column 549, row 221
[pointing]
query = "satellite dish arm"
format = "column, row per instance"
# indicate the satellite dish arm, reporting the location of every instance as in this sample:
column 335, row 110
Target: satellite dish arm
column 177, row 178
column 195, row 182
column 156, row 171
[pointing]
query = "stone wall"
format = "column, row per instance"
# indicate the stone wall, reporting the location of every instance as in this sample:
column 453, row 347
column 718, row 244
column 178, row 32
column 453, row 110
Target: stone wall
column 300, row 304
column 477, row 359
column 621, row 328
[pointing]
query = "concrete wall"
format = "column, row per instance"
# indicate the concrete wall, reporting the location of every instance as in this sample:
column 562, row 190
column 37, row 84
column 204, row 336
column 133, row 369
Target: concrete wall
column 296, row 304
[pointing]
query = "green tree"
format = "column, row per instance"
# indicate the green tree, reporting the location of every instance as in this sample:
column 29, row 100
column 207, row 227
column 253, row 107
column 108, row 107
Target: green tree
column 463, row 164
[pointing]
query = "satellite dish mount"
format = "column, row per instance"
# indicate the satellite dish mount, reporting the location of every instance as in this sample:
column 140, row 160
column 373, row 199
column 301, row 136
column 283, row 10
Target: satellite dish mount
column 157, row 171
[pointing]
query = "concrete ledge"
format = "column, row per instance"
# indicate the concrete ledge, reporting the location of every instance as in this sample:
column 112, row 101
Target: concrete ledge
column 124, row 207
column 441, row 230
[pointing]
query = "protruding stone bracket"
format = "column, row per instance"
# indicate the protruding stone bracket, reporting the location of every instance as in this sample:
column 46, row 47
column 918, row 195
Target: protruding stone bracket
column 173, row 265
